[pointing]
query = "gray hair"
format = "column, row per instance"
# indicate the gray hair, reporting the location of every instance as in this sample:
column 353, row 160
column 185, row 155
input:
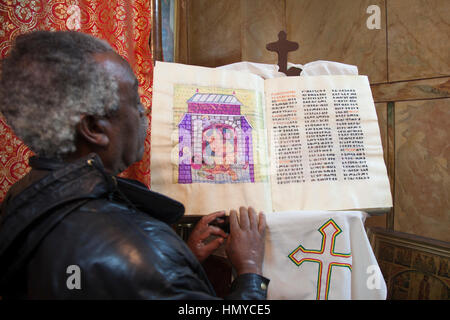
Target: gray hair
column 48, row 81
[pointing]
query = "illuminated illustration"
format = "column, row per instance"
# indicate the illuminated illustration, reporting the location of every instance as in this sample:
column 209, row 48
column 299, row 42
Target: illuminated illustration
column 215, row 141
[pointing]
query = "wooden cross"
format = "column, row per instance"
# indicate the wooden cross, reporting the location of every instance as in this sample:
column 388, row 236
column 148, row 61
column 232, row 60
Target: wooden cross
column 282, row 47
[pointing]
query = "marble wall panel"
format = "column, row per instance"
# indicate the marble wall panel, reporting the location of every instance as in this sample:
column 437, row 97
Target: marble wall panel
column 337, row 31
column 418, row 38
column 412, row 90
column 214, row 32
column 376, row 221
column 422, row 176
column 261, row 23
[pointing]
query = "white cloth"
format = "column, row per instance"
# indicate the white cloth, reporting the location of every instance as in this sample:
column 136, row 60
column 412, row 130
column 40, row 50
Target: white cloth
column 315, row 68
column 265, row 71
column 320, row 255
column 323, row 68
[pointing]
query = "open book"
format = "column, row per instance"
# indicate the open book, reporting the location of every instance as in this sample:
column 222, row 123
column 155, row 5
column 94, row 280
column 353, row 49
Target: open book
column 223, row 139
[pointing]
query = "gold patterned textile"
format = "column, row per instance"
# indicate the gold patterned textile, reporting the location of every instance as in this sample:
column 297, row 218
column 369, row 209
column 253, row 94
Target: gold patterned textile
column 124, row 24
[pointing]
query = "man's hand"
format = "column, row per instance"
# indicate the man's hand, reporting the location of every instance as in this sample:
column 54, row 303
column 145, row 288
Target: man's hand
column 202, row 231
column 245, row 244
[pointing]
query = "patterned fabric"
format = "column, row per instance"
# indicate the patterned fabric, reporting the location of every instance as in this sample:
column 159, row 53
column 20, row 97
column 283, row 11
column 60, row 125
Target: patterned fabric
column 124, row 24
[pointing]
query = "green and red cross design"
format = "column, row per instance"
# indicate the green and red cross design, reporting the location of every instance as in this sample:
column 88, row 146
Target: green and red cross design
column 326, row 257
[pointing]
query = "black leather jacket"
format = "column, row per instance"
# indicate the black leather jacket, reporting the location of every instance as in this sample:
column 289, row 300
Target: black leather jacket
column 115, row 230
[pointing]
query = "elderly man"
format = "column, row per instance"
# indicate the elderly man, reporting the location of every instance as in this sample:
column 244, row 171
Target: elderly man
column 75, row 103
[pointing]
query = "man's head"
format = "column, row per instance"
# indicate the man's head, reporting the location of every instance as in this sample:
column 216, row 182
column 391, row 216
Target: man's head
column 66, row 94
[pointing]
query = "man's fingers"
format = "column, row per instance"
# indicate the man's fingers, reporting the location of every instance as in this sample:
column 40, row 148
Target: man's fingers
column 252, row 217
column 227, row 244
column 213, row 245
column 217, row 232
column 211, row 230
column 262, row 223
column 210, row 217
column 243, row 218
column 234, row 224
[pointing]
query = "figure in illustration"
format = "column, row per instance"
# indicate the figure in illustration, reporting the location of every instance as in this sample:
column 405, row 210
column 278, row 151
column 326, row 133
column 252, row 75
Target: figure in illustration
column 424, row 290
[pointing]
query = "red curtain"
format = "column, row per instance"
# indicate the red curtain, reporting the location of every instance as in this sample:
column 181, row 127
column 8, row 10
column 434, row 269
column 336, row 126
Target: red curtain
column 126, row 25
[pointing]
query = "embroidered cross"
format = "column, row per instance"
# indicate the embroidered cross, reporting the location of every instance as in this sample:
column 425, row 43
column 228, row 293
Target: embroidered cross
column 326, row 257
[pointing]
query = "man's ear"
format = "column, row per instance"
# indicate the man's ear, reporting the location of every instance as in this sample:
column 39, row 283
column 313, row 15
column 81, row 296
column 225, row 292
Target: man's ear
column 94, row 130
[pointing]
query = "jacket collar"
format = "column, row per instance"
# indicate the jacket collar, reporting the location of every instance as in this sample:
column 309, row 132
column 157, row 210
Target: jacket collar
column 133, row 192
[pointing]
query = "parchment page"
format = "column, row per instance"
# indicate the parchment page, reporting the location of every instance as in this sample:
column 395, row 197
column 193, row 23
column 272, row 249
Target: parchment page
column 209, row 138
column 325, row 145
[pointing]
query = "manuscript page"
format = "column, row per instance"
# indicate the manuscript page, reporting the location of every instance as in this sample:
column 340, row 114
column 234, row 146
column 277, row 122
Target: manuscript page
column 209, row 139
column 325, row 146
